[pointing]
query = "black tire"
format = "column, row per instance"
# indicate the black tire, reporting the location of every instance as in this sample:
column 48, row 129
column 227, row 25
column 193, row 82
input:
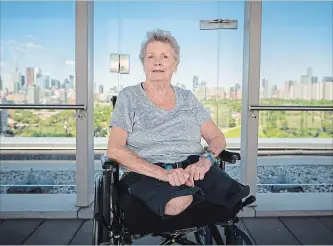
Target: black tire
column 98, row 208
column 101, row 234
column 242, row 238
column 204, row 236
column 106, row 203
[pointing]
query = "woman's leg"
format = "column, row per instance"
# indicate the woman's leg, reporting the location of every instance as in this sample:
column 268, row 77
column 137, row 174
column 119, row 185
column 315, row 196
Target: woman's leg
column 161, row 197
column 220, row 188
column 177, row 205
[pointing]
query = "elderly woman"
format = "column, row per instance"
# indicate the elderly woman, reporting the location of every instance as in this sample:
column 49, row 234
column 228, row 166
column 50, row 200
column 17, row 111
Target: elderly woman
column 155, row 136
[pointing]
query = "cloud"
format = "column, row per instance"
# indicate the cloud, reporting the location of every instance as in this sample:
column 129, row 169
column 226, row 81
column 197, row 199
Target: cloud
column 33, row 46
column 2, row 64
column 24, row 46
column 30, row 36
column 69, row 62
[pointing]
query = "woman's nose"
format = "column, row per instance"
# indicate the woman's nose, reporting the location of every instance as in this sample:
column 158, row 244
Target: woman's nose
column 158, row 61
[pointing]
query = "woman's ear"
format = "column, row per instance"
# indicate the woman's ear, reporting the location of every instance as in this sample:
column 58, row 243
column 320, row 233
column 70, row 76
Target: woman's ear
column 175, row 68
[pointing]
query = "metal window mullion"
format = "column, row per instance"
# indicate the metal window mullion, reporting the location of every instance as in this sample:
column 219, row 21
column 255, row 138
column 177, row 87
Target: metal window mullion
column 84, row 95
column 43, row 106
column 250, row 93
column 290, row 108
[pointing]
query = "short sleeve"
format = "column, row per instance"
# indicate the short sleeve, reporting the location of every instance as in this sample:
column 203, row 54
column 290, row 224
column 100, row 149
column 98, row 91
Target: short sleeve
column 122, row 115
column 201, row 114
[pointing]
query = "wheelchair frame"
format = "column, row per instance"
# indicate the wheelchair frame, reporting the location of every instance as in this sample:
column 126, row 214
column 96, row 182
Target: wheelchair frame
column 108, row 227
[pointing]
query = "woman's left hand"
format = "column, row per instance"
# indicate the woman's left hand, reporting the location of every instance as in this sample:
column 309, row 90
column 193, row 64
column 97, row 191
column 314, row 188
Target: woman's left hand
column 198, row 170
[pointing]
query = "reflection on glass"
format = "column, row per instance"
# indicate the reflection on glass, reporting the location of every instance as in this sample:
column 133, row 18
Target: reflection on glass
column 17, row 180
column 299, row 176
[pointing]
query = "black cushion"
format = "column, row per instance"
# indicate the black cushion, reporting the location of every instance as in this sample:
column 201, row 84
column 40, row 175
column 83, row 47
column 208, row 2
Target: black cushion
column 139, row 219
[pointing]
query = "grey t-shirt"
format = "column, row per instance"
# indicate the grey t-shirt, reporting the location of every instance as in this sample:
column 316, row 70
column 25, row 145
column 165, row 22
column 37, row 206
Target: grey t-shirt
column 158, row 135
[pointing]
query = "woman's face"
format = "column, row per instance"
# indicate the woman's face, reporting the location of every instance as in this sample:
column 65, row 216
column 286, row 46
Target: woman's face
column 159, row 62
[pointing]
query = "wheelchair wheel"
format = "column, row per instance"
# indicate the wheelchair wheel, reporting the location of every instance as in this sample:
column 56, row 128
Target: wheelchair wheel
column 102, row 207
column 242, row 238
column 204, row 236
column 98, row 202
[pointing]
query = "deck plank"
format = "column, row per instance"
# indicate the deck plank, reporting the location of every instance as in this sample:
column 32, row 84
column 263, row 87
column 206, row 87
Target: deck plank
column 263, row 230
column 327, row 221
column 55, row 232
column 308, row 230
column 84, row 234
column 16, row 231
column 269, row 231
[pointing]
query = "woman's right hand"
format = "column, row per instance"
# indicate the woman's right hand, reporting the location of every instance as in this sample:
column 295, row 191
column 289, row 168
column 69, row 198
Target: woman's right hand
column 176, row 177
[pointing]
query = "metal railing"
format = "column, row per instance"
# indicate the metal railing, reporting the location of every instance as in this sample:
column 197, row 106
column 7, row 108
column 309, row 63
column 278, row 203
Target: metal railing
column 290, row 108
column 44, row 106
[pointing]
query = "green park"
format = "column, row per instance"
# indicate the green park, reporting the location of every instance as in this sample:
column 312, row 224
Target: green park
column 225, row 113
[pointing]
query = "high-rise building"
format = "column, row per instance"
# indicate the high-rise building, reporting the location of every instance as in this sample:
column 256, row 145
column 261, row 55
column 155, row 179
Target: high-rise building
column 195, row 82
column 3, row 118
column 328, row 79
column 71, row 82
column 314, row 80
column 23, row 81
column 101, row 89
column 33, row 96
column 264, row 85
column 309, row 72
column 328, row 90
column 30, row 76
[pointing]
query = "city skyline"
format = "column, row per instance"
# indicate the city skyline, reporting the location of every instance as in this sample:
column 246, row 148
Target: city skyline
column 34, row 44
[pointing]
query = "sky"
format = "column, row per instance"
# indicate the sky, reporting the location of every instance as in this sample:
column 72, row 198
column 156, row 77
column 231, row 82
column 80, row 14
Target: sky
column 295, row 36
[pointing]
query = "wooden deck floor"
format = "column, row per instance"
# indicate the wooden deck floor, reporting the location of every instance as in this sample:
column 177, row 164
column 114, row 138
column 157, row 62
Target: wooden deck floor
column 265, row 230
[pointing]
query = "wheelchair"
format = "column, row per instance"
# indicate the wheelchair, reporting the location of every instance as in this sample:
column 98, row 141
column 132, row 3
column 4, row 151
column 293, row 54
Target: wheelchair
column 120, row 218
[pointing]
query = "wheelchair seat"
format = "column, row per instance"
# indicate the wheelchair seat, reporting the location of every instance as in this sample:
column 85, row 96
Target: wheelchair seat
column 139, row 219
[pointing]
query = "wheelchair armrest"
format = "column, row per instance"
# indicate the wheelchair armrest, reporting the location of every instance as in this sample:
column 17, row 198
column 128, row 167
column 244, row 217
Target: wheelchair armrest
column 230, row 157
column 107, row 163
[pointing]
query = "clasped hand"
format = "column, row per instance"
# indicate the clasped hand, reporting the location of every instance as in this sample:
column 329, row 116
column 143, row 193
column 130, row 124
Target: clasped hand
column 187, row 176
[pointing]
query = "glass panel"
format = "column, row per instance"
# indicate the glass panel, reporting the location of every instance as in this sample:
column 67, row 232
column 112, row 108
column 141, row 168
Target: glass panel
column 300, row 147
column 210, row 66
column 182, row 20
column 126, row 20
column 40, row 155
column 228, row 103
column 106, row 83
column 296, row 58
column 296, row 69
column 38, row 147
column 37, row 52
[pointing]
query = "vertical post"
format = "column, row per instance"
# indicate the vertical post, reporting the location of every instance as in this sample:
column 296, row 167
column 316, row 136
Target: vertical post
column 250, row 92
column 84, row 51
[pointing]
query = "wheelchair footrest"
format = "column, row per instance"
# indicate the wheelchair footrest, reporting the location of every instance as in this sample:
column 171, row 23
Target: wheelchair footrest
column 249, row 200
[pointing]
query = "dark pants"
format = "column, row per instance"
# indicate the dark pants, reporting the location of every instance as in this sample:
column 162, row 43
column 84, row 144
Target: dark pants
column 216, row 187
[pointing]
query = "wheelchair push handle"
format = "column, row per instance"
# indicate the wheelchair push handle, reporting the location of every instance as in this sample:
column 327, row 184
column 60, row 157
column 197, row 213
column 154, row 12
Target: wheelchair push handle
column 107, row 163
column 230, row 157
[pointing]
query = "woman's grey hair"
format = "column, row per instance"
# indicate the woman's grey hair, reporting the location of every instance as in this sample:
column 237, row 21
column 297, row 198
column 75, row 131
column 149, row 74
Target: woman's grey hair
column 162, row 36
